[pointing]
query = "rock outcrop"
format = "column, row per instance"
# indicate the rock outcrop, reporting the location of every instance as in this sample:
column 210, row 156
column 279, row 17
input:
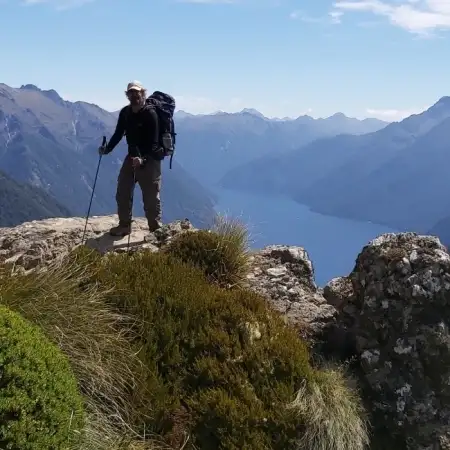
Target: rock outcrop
column 285, row 276
column 395, row 308
column 37, row 243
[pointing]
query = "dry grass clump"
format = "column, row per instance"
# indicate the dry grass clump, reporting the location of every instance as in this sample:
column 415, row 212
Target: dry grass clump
column 222, row 253
column 333, row 411
column 101, row 434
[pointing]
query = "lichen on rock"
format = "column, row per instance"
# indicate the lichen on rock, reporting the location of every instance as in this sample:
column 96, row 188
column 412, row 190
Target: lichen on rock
column 398, row 315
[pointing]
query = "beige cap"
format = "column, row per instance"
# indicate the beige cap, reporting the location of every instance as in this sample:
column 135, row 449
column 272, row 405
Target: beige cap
column 135, row 85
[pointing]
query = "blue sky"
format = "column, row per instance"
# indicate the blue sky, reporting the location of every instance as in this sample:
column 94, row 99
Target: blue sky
column 368, row 58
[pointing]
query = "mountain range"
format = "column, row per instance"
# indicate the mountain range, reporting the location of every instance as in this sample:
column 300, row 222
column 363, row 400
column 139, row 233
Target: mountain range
column 211, row 145
column 396, row 176
column 51, row 144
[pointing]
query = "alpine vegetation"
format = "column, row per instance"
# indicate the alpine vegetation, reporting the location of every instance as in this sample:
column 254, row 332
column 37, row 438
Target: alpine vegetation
column 166, row 349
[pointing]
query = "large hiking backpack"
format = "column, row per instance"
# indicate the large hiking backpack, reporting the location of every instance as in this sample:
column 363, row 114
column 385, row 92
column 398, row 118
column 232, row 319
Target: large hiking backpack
column 164, row 105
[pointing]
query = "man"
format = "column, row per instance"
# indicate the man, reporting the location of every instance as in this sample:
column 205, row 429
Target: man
column 142, row 164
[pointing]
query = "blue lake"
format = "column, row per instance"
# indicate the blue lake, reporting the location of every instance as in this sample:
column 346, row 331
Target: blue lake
column 332, row 243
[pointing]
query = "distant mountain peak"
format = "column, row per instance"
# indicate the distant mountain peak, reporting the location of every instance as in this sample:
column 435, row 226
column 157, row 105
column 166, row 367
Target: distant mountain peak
column 338, row 115
column 30, row 87
column 437, row 112
column 50, row 93
column 181, row 114
column 305, row 118
column 253, row 112
column 443, row 101
column 53, row 95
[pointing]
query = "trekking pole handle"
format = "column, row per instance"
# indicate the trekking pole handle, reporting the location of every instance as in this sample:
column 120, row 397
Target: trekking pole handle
column 102, row 147
column 139, row 156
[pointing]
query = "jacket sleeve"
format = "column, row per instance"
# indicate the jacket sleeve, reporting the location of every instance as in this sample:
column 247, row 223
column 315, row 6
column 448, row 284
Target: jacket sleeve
column 119, row 132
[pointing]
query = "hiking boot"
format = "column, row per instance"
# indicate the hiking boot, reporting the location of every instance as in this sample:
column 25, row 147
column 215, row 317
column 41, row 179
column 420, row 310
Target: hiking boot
column 120, row 230
column 154, row 231
column 154, row 226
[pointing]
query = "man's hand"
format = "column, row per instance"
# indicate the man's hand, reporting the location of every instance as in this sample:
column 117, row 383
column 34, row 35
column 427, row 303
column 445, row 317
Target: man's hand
column 136, row 162
column 103, row 150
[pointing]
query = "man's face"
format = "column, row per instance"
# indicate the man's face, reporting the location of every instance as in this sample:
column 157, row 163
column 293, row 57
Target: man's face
column 134, row 96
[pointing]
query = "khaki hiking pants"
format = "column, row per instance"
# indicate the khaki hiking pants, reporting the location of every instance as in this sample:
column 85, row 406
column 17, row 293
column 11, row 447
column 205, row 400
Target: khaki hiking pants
column 149, row 178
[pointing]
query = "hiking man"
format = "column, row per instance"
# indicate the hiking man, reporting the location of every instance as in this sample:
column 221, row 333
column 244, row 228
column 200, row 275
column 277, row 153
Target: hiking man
column 142, row 163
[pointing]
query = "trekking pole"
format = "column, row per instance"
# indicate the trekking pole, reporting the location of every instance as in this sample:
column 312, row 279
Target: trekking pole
column 93, row 190
column 131, row 210
column 132, row 199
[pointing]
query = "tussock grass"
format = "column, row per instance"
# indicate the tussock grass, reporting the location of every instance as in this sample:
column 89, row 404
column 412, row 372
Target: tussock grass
column 222, row 253
column 101, row 434
column 73, row 313
column 231, row 228
column 333, row 412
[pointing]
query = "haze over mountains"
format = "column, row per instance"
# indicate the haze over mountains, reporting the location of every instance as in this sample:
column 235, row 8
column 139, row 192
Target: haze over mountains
column 21, row 202
column 397, row 176
column 52, row 144
column 211, row 145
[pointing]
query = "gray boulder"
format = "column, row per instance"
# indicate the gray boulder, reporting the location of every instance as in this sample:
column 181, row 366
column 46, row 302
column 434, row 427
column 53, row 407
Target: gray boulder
column 397, row 312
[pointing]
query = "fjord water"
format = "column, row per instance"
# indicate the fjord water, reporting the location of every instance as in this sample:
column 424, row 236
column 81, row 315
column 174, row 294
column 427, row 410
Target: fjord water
column 332, row 243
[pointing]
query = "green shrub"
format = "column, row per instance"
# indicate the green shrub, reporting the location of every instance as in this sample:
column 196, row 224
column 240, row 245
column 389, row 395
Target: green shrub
column 74, row 314
column 222, row 368
column 40, row 407
column 222, row 253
